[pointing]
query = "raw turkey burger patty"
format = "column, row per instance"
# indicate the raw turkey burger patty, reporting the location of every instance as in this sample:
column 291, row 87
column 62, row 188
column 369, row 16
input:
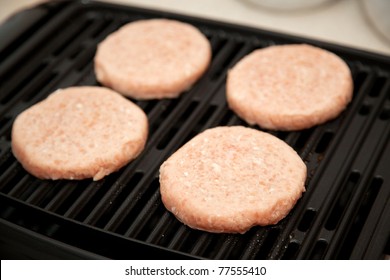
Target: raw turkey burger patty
column 228, row 179
column 289, row 87
column 79, row 132
column 156, row 58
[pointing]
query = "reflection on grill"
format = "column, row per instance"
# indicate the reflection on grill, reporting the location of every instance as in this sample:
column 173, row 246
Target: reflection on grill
column 344, row 213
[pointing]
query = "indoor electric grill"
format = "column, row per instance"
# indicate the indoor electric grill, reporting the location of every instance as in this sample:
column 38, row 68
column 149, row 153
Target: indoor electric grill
column 344, row 214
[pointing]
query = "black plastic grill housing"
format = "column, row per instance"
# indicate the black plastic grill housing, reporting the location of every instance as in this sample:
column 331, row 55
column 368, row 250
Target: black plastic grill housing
column 344, row 213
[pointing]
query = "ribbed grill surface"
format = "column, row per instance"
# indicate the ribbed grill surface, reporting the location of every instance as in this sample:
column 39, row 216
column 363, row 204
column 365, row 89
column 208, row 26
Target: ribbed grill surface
column 344, row 213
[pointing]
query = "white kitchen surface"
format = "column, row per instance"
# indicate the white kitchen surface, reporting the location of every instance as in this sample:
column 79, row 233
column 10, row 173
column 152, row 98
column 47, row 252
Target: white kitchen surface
column 355, row 23
column 345, row 22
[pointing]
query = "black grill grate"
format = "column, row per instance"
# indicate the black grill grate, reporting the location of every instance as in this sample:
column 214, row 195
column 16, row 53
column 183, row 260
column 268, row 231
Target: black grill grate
column 344, row 213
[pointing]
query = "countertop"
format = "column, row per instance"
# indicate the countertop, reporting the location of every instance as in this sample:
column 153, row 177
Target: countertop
column 344, row 22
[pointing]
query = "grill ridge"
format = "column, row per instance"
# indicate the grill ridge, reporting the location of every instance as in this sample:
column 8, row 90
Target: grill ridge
column 125, row 208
